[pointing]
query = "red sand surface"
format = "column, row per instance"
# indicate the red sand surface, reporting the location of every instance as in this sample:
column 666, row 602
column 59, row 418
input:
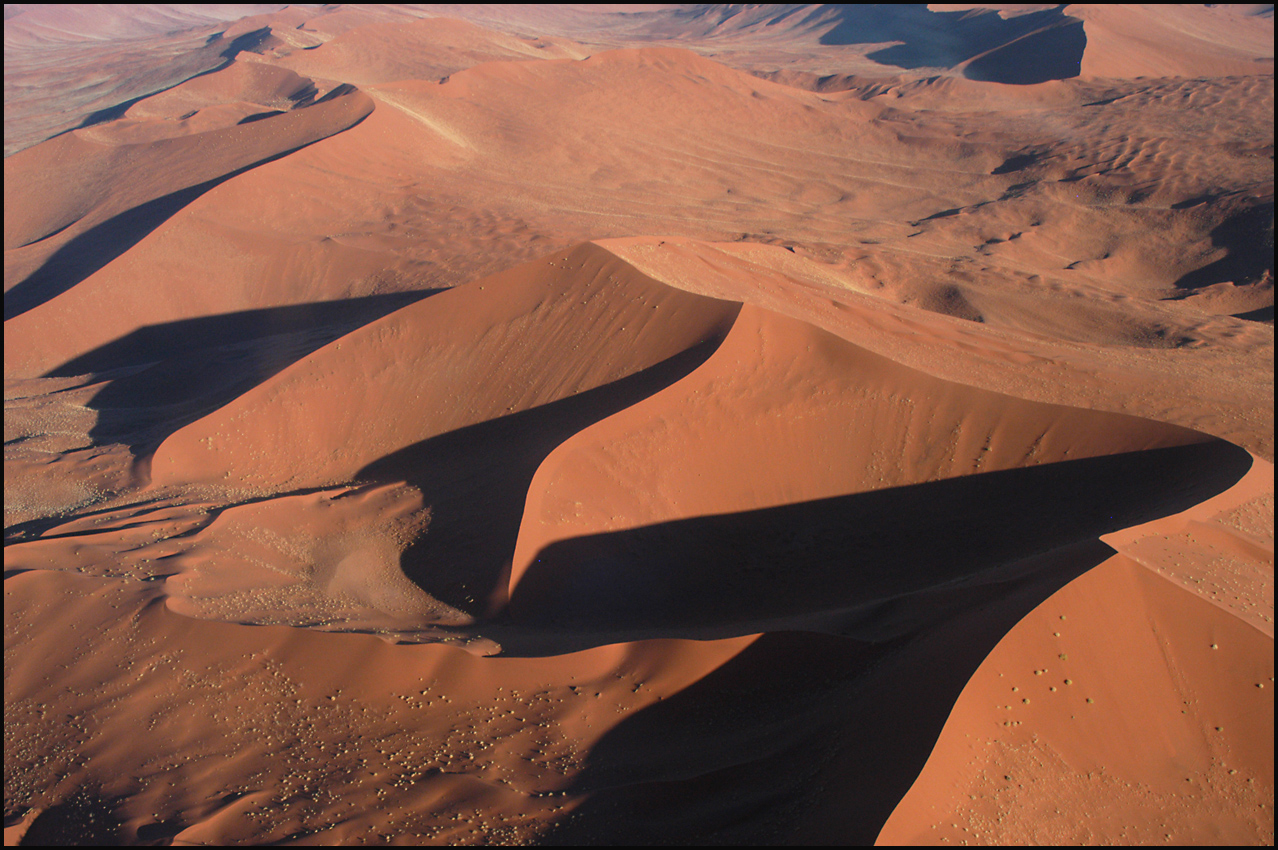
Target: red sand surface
column 657, row 424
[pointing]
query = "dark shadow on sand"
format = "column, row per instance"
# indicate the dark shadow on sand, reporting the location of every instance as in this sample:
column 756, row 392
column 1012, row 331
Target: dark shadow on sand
column 162, row 377
column 1021, row 50
column 815, row 738
column 476, row 480
column 1263, row 314
column 85, row 818
column 853, row 564
column 93, row 249
column 1248, row 239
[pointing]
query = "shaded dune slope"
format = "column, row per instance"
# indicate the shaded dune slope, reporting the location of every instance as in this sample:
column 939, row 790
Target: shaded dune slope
column 60, row 227
column 577, row 466
column 512, row 342
column 798, row 481
column 988, row 46
column 593, row 456
column 821, row 748
column 864, row 565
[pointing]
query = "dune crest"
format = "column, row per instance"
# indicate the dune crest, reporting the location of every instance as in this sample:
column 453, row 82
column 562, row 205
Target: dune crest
column 466, row 356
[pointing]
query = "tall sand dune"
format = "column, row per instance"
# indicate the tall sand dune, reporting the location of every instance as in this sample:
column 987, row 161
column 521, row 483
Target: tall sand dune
column 1188, row 41
column 492, row 424
column 786, row 469
column 1056, row 721
column 499, row 346
column 59, row 228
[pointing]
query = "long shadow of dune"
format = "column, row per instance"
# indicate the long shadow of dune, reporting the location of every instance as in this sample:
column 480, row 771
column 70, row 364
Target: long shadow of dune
column 815, row 738
column 93, row 249
column 162, row 377
column 1248, row 239
column 1263, row 314
column 800, row 738
column 854, row 564
column 1030, row 48
column 476, row 479
column 87, row 817
column 246, row 41
column 727, row 759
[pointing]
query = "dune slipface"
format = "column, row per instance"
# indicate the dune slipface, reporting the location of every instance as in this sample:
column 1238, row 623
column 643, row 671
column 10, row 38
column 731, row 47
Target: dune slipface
column 520, row 340
column 785, row 416
column 47, row 212
column 678, row 424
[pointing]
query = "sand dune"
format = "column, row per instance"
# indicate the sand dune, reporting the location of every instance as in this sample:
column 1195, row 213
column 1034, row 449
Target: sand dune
column 1189, row 41
column 393, row 51
column 621, row 425
column 1039, row 226
column 69, row 66
column 1042, row 730
column 819, row 420
column 502, row 345
column 58, row 232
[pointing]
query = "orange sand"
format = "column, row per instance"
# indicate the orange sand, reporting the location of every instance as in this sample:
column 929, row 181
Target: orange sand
column 544, row 424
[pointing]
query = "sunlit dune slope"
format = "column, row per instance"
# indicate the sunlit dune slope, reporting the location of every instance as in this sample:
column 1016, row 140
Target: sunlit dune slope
column 425, row 49
column 521, row 339
column 1121, row 697
column 1182, row 41
column 538, row 415
column 535, row 416
column 1100, row 227
column 1003, row 43
column 1032, row 356
column 324, row 688
column 243, row 92
column 71, row 65
column 73, row 204
column 732, row 496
